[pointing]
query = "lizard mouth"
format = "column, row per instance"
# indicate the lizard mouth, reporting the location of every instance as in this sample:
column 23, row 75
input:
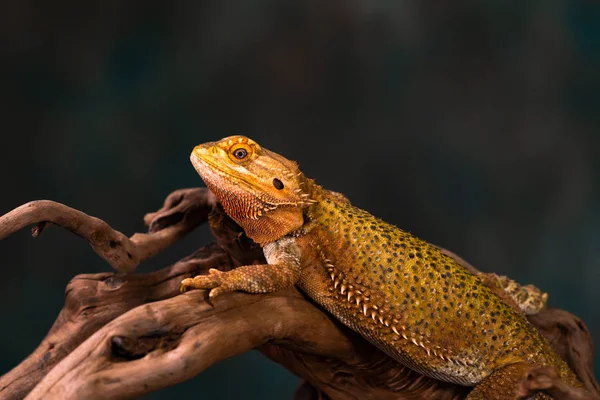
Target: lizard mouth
column 216, row 177
column 203, row 166
column 210, row 171
column 240, row 200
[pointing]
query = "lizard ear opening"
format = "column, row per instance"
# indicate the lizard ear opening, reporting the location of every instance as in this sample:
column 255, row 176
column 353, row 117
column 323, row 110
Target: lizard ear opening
column 277, row 184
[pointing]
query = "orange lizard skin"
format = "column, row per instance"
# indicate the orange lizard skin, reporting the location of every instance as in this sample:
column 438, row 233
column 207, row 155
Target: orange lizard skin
column 401, row 293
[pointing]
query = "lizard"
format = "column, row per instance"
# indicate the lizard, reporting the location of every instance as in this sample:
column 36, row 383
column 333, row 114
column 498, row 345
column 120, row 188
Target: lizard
column 402, row 294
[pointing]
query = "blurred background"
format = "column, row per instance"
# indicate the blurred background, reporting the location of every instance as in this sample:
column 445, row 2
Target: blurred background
column 473, row 124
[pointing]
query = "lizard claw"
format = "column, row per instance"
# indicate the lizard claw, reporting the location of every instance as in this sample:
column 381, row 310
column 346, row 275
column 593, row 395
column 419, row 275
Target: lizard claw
column 213, row 281
column 214, row 293
column 200, row 282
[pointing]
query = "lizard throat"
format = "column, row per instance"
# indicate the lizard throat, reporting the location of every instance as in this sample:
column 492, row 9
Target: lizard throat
column 262, row 221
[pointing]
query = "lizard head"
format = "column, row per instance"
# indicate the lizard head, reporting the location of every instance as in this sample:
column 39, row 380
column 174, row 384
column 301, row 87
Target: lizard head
column 262, row 191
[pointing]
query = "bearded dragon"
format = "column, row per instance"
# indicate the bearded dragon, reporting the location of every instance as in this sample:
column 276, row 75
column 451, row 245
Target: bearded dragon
column 404, row 295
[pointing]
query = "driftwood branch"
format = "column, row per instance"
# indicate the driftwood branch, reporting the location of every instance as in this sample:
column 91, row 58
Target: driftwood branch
column 122, row 253
column 119, row 336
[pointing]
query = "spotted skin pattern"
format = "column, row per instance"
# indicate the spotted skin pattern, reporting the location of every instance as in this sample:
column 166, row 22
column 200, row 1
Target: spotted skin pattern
column 415, row 303
column 401, row 293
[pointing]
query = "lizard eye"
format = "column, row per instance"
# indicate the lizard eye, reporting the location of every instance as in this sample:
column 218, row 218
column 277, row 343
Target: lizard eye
column 240, row 153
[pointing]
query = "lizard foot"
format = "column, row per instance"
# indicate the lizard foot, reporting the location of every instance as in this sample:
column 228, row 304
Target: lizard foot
column 528, row 298
column 263, row 278
column 214, row 282
column 547, row 379
column 539, row 378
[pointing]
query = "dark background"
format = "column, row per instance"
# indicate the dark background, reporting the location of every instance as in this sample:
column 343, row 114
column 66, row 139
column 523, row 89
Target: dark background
column 473, row 124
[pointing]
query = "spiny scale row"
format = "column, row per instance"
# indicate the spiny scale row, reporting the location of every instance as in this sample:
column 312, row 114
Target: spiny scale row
column 360, row 297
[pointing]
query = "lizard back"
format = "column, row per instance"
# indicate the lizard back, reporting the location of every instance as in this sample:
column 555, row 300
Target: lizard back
column 414, row 302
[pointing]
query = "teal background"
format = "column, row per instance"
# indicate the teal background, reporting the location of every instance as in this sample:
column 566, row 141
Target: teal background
column 473, row 124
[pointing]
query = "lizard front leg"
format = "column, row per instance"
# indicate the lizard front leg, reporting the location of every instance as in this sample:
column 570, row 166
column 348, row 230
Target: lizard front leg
column 282, row 271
